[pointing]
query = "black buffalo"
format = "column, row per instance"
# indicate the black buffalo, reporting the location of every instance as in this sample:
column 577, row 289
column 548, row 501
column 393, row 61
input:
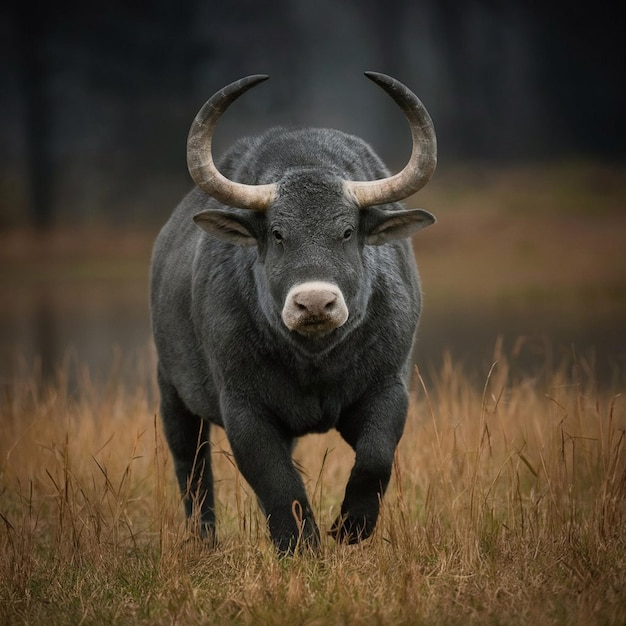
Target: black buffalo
column 285, row 299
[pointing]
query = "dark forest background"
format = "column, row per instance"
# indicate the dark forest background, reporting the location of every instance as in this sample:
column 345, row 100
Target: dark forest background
column 97, row 98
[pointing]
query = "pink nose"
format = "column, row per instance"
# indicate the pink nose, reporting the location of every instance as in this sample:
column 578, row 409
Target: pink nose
column 315, row 302
column 314, row 308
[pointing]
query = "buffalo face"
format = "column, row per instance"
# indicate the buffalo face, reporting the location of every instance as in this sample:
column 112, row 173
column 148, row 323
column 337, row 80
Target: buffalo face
column 310, row 244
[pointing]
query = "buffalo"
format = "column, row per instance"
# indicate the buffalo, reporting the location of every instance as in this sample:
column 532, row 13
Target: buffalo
column 285, row 300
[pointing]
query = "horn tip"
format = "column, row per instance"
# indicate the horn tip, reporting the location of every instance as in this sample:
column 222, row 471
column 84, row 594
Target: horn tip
column 257, row 78
column 378, row 77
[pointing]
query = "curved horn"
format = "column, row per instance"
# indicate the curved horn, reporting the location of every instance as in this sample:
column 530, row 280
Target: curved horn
column 200, row 160
column 423, row 161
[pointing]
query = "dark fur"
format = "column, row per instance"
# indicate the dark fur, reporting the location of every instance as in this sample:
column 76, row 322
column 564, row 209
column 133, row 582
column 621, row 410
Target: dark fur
column 225, row 356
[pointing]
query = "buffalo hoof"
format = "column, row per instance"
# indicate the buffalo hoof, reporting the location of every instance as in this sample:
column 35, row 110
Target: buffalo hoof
column 304, row 543
column 204, row 533
column 351, row 529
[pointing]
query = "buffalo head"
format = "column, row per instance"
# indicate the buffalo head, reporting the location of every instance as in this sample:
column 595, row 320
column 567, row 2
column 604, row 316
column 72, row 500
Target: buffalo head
column 310, row 224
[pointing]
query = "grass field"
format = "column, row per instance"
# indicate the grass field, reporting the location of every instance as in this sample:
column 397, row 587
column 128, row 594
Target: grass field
column 507, row 505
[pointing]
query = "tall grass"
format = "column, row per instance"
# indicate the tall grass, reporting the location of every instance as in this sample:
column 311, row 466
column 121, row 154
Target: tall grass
column 507, row 505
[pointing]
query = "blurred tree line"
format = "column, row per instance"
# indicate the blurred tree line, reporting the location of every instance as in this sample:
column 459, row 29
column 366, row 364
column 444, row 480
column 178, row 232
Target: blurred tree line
column 97, row 98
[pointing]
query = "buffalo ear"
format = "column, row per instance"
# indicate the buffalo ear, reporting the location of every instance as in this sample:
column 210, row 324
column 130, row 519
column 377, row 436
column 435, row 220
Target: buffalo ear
column 383, row 225
column 227, row 226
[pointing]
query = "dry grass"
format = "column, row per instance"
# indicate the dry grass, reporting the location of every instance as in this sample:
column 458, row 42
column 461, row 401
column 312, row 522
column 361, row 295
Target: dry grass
column 508, row 505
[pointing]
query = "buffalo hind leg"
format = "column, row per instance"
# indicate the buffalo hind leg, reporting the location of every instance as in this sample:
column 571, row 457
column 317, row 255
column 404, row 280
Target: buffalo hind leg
column 188, row 440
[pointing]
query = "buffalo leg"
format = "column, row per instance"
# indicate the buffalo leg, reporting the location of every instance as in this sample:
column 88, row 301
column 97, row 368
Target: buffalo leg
column 373, row 428
column 188, row 439
column 263, row 455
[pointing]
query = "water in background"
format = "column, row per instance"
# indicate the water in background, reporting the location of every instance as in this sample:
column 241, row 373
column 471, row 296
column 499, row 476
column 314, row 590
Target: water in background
column 102, row 326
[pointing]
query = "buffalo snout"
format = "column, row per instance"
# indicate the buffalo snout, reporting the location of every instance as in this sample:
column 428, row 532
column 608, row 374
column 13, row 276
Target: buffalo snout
column 314, row 308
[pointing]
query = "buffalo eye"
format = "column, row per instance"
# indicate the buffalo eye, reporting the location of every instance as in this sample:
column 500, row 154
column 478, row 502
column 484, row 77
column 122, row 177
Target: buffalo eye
column 347, row 233
column 278, row 236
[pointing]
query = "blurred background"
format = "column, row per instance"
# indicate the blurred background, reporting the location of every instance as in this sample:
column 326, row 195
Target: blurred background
column 528, row 100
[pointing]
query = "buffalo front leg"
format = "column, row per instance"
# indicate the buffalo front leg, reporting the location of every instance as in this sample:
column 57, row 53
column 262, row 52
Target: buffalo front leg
column 263, row 456
column 187, row 436
column 373, row 429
